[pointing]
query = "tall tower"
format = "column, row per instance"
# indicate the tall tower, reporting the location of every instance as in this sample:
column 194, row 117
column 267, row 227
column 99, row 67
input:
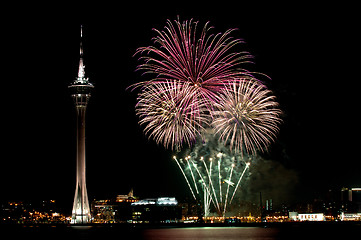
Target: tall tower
column 80, row 92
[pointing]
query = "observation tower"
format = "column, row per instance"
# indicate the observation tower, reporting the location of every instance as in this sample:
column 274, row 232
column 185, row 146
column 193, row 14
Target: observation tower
column 80, row 92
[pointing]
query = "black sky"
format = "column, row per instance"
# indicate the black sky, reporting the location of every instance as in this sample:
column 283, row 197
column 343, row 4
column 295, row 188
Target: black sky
column 310, row 51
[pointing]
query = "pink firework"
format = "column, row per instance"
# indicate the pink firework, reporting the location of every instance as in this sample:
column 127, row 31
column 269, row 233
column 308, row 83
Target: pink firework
column 247, row 116
column 202, row 61
column 171, row 113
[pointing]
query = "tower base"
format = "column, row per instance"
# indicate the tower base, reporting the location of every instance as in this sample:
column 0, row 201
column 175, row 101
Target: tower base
column 80, row 219
column 81, row 210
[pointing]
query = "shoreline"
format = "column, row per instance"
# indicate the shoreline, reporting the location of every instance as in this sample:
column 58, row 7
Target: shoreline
column 186, row 225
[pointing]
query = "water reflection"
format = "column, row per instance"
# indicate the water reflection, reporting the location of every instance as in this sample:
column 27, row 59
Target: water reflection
column 211, row 233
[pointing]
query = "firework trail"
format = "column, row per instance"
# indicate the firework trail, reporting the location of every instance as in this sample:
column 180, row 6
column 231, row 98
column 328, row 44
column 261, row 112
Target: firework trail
column 247, row 117
column 211, row 172
column 209, row 178
column 239, row 180
column 185, row 177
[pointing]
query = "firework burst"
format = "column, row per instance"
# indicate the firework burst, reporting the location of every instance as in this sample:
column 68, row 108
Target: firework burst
column 198, row 82
column 202, row 61
column 247, row 116
column 171, row 114
column 190, row 69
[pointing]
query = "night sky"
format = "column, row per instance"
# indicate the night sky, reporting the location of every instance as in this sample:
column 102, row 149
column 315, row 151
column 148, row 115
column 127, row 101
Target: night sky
column 311, row 52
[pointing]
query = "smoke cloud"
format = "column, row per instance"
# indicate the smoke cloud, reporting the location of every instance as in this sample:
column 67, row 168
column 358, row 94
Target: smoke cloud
column 272, row 179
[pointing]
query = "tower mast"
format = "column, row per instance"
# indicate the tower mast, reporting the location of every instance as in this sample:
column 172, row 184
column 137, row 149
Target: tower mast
column 81, row 92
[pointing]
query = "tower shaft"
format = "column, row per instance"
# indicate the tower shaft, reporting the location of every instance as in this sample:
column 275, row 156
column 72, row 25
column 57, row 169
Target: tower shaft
column 81, row 210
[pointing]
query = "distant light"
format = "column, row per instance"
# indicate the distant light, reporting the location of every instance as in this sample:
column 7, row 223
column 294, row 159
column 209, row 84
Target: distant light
column 164, row 201
column 167, row 201
column 145, row 202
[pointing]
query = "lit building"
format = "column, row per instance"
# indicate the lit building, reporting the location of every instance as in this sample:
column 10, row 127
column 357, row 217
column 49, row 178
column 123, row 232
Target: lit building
column 312, row 217
column 351, row 199
column 123, row 209
column 103, row 211
column 117, row 210
column 127, row 198
column 80, row 92
column 156, row 210
column 350, row 216
column 191, row 211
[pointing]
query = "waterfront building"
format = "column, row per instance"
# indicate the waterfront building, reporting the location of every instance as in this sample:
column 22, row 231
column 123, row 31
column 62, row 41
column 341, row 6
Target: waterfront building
column 156, row 210
column 116, row 210
column 311, row 217
column 103, row 211
column 350, row 216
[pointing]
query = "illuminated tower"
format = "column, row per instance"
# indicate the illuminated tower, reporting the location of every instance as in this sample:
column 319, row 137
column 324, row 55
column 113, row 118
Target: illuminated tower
column 80, row 92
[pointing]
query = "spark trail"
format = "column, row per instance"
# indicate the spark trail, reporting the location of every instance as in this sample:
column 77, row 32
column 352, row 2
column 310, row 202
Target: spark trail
column 185, row 177
column 215, row 176
column 240, row 179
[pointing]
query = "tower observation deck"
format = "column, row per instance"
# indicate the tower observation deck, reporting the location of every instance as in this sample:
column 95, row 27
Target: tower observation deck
column 81, row 92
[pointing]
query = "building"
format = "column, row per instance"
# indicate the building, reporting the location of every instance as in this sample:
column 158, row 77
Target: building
column 116, row 210
column 351, row 199
column 127, row 208
column 127, row 198
column 191, row 211
column 156, row 210
column 103, row 211
column 80, row 92
column 350, row 216
column 123, row 208
column 311, row 217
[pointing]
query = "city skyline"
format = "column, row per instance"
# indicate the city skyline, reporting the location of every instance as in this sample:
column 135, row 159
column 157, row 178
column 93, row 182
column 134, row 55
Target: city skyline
column 310, row 63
